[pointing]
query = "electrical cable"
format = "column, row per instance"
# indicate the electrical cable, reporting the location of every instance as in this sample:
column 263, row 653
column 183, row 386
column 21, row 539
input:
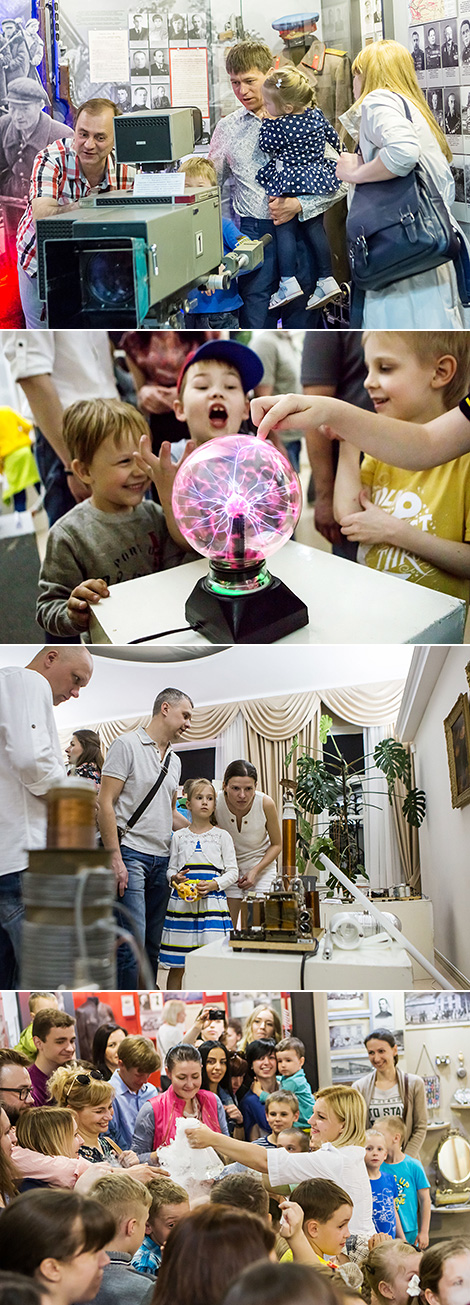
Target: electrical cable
column 160, row 634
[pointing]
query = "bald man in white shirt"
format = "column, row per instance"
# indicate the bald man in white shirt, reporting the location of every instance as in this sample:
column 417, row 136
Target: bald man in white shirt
column 30, row 764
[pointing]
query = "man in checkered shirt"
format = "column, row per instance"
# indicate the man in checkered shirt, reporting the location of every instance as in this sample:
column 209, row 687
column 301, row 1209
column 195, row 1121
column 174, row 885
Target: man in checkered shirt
column 62, row 174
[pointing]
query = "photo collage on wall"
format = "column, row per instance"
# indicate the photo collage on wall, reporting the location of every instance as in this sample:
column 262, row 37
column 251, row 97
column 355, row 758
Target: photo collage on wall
column 157, row 41
column 439, row 41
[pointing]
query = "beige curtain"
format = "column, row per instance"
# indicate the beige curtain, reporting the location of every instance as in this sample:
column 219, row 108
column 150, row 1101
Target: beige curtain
column 366, row 704
column 271, row 726
column 407, row 835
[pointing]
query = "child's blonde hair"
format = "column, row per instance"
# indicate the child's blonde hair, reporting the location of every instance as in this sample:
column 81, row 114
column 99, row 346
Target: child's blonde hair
column 372, row 1133
column 288, row 87
column 428, row 345
column 122, row 1195
column 89, row 422
column 393, row 1124
column 350, row 1108
column 50, row 1132
column 193, row 787
column 197, row 168
column 388, row 66
column 382, row 1265
column 163, row 1191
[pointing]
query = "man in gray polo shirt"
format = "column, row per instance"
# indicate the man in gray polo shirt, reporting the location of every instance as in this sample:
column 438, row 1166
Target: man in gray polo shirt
column 140, row 862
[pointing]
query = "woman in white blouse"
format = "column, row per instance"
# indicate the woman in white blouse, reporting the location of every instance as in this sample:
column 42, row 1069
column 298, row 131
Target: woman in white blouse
column 390, row 145
column 337, row 1129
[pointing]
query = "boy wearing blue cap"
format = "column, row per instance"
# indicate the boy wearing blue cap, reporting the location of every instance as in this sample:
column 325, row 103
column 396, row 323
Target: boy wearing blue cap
column 213, row 388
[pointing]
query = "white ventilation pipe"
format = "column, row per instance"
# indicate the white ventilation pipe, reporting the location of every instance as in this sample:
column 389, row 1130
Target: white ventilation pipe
column 385, row 922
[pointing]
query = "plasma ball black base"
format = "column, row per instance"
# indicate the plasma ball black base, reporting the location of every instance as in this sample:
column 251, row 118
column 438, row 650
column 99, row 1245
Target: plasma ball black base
column 259, row 617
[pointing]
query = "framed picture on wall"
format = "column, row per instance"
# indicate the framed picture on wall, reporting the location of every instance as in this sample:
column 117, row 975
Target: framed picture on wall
column 457, row 732
column 432, row 1008
column 347, row 1002
column 344, row 1069
column 348, row 1036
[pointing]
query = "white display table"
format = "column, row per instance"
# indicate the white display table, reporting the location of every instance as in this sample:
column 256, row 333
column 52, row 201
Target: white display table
column 216, row 966
column 416, row 918
column 347, row 604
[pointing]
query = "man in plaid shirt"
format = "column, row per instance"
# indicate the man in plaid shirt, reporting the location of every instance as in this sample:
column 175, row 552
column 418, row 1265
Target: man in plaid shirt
column 62, row 174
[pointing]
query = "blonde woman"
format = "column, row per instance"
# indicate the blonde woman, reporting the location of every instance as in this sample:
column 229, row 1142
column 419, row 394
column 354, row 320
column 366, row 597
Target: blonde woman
column 337, row 1133
column 263, row 1022
column 90, row 1098
column 390, row 145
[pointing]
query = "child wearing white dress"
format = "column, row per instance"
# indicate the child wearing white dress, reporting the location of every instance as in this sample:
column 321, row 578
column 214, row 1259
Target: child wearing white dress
column 295, row 134
column 202, row 865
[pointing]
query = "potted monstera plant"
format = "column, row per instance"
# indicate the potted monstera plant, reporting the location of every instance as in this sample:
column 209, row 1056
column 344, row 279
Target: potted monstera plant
column 329, row 786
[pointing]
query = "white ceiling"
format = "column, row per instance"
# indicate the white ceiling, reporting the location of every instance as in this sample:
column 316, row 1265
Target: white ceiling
column 119, row 689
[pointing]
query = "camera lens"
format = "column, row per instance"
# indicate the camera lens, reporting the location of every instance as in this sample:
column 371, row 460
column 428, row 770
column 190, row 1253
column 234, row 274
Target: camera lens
column 110, row 277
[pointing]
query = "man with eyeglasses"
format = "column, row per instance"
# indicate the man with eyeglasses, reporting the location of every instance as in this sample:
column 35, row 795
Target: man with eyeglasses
column 54, row 1037
column 15, row 1083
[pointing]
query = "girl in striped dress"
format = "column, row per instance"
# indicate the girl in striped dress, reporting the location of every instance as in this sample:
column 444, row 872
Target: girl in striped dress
column 202, row 865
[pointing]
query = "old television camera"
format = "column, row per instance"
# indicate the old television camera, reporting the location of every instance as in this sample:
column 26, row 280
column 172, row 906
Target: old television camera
column 124, row 259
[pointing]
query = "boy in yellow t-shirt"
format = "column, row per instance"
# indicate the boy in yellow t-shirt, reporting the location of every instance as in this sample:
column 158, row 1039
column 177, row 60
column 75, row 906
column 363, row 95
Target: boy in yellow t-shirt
column 315, row 1222
column 412, row 524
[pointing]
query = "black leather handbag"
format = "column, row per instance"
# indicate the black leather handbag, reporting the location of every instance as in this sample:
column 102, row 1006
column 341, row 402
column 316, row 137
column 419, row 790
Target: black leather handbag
column 398, row 228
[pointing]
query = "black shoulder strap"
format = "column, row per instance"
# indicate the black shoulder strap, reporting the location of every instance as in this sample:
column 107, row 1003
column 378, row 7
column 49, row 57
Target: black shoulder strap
column 151, row 793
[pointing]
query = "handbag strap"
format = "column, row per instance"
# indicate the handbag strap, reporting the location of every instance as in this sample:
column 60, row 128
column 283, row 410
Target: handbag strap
column 151, row 794
column 405, row 1098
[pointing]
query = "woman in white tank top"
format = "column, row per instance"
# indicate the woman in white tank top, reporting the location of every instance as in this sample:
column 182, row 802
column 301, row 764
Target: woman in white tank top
column 252, row 820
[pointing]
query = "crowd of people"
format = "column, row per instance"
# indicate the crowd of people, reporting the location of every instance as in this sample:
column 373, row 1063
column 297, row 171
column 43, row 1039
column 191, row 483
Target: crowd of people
column 321, row 1196
column 288, row 165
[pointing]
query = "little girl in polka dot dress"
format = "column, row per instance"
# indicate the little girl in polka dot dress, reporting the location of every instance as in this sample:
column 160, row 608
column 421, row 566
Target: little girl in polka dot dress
column 294, row 135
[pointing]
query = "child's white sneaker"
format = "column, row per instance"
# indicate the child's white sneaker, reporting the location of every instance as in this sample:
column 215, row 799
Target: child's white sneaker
column 289, row 288
column 326, row 288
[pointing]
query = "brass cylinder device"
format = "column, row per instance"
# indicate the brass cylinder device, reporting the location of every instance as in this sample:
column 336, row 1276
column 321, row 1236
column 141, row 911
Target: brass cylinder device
column 69, row 894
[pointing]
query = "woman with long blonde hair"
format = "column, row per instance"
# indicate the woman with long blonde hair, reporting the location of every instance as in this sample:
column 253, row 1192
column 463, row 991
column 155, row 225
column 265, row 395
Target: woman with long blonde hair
column 390, row 145
column 337, row 1139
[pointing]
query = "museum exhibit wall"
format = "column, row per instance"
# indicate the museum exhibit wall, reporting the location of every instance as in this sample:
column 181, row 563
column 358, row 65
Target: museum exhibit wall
column 445, row 834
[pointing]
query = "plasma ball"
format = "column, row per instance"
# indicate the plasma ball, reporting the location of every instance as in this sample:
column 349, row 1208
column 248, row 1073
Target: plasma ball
column 238, row 507
column 237, row 499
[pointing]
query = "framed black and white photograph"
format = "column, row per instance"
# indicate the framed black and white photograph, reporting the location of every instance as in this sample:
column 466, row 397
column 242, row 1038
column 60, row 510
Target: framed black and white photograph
column 348, row 1035
column 345, row 1069
column 138, row 27
column 347, row 1001
column 178, row 28
column 432, row 50
column 159, row 66
column 139, row 64
column 437, row 1008
column 158, row 29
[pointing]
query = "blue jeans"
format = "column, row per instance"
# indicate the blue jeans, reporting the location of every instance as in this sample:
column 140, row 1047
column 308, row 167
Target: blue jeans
column 257, row 287
column 11, row 922
column 33, row 307
column 313, row 232
column 196, row 321
column 146, row 897
column 57, row 498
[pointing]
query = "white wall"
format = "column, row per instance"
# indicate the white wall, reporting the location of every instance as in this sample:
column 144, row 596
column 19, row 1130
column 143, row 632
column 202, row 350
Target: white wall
column 445, row 833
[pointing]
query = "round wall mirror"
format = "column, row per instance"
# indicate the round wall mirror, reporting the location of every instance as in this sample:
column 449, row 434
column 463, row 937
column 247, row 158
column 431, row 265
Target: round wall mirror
column 453, row 1159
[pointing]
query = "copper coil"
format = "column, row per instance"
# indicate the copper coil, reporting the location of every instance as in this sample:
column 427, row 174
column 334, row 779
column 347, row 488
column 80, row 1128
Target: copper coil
column 71, row 815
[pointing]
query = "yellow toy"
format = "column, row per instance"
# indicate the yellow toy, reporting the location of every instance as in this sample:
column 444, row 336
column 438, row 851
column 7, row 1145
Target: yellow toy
column 188, row 891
